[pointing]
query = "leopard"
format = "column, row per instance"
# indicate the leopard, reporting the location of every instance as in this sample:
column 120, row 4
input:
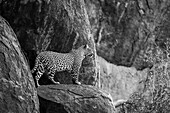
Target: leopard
column 52, row 62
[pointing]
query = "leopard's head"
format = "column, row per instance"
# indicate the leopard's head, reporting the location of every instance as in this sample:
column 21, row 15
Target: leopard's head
column 83, row 51
column 86, row 51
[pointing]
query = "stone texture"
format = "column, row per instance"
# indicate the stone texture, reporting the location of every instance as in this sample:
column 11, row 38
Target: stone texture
column 17, row 89
column 155, row 96
column 56, row 25
column 126, row 32
column 73, row 99
column 135, row 91
column 125, row 29
column 121, row 82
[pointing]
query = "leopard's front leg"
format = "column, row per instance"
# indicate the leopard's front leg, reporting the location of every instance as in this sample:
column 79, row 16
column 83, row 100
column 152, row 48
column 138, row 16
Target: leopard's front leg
column 75, row 75
column 75, row 79
column 51, row 75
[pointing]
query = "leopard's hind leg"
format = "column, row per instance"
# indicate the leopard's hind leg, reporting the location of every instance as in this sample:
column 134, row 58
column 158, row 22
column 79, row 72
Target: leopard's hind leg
column 51, row 74
column 37, row 77
column 40, row 71
column 37, row 61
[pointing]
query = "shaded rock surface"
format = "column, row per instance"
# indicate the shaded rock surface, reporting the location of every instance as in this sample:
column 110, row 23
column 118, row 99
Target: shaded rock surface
column 129, row 32
column 133, row 91
column 121, row 82
column 73, row 99
column 155, row 96
column 124, row 29
column 17, row 89
column 55, row 25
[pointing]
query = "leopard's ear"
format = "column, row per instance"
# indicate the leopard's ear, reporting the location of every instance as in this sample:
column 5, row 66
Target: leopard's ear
column 85, row 46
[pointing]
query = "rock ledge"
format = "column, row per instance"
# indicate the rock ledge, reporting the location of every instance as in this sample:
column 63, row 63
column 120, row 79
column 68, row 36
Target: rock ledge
column 73, row 99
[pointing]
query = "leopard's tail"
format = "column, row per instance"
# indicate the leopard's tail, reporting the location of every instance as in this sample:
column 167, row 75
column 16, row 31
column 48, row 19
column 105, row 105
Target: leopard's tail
column 36, row 65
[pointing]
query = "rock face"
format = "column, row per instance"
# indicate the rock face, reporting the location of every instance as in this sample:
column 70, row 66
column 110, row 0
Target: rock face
column 17, row 89
column 73, row 99
column 133, row 91
column 55, row 25
column 125, row 29
column 155, row 96
column 121, row 82
column 126, row 32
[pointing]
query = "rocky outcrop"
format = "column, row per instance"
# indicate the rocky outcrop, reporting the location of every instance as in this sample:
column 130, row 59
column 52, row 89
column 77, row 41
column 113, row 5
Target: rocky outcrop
column 155, row 96
column 121, row 82
column 135, row 91
column 17, row 89
column 130, row 33
column 125, row 29
column 73, row 99
column 55, row 25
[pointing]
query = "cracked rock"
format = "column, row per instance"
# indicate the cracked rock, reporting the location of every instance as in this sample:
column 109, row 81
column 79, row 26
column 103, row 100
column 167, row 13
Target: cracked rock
column 73, row 99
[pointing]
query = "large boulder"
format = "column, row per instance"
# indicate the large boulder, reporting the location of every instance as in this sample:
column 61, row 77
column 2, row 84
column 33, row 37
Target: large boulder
column 17, row 89
column 74, row 99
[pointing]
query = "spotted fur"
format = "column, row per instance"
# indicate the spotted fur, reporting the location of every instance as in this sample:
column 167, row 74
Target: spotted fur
column 51, row 62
